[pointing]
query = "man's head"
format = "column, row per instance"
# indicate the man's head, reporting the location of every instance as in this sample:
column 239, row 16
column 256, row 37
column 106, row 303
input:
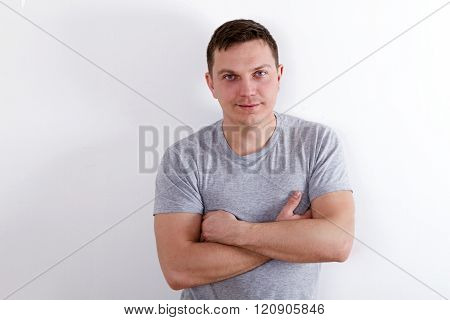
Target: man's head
column 243, row 70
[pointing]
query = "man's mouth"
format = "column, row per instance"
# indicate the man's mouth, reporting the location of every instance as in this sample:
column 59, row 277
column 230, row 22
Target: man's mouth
column 248, row 105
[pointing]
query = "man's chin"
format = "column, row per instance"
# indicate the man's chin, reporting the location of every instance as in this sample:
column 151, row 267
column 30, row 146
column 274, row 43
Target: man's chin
column 251, row 120
column 246, row 117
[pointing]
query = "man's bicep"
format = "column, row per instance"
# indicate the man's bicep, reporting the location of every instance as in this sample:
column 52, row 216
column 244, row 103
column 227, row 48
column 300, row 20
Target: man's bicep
column 337, row 206
column 174, row 232
column 178, row 227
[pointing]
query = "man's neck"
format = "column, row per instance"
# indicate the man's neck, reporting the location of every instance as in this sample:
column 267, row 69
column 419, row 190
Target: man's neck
column 245, row 140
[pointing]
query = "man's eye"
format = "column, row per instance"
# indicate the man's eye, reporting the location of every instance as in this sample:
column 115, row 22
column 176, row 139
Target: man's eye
column 261, row 73
column 229, row 76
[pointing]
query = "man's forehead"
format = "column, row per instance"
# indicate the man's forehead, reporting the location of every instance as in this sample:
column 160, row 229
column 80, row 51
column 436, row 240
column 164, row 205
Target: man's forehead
column 247, row 56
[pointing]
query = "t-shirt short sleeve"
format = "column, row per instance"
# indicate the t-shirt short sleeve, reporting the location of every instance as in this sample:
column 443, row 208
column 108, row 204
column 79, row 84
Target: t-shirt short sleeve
column 329, row 172
column 177, row 185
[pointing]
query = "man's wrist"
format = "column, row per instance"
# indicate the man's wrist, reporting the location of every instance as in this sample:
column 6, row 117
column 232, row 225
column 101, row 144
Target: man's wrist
column 243, row 231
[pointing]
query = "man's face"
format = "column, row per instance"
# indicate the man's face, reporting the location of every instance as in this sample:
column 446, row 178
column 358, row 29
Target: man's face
column 246, row 81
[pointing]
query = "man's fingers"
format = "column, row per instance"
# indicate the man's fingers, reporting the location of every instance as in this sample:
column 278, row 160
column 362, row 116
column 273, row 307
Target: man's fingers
column 287, row 212
column 293, row 201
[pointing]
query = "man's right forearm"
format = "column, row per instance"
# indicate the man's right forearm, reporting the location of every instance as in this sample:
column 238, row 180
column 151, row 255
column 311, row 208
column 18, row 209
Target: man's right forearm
column 206, row 262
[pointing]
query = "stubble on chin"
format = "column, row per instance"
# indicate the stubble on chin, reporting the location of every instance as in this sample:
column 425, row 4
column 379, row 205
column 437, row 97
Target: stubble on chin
column 251, row 119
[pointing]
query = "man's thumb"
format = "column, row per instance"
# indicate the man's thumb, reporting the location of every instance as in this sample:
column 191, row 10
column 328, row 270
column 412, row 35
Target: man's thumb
column 293, row 201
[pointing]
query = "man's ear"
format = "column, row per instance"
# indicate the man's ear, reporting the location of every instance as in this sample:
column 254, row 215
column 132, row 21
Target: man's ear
column 210, row 83
column 279, row 74
column 280, row 71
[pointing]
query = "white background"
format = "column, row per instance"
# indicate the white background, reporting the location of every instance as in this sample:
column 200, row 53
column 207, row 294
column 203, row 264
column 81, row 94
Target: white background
column 69, row 135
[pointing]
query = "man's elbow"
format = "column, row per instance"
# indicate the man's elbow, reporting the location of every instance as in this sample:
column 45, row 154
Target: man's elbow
column 175, row 280
column 342, row 252
column 175, row 285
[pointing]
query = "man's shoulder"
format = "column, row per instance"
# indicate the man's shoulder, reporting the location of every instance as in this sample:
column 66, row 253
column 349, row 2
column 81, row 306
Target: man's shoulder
column 304, row 129
column 195, row 142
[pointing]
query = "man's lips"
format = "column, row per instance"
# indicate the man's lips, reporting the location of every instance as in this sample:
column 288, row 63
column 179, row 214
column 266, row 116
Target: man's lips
column 248, row 105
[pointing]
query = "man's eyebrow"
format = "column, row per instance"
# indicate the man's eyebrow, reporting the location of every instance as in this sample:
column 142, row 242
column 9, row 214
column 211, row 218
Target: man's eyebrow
column 231, row 71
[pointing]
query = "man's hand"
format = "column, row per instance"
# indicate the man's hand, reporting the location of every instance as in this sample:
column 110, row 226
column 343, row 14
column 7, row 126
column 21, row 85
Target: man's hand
column 223, row 227
column 287, row 213
column 220, row 227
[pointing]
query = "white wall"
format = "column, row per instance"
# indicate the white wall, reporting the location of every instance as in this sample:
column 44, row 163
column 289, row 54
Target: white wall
column 69, row 135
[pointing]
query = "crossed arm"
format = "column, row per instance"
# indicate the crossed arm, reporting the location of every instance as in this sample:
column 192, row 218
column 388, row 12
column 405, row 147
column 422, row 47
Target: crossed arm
column 232, row 247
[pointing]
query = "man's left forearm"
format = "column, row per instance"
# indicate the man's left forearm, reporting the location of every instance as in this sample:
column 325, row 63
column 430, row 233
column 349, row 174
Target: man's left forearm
column 309, row 240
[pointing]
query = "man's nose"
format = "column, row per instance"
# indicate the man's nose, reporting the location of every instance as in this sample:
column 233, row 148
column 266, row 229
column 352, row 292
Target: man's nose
column 247, row 87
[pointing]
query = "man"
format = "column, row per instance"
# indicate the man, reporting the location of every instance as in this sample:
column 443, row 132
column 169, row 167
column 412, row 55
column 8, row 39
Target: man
column 225, row 224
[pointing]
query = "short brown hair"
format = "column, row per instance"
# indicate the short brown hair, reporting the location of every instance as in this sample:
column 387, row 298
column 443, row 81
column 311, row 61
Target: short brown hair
column 238, row 31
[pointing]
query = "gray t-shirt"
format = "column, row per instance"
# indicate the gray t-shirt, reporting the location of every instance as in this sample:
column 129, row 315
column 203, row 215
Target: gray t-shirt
column 201, row 173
